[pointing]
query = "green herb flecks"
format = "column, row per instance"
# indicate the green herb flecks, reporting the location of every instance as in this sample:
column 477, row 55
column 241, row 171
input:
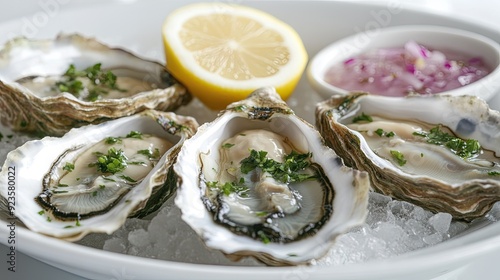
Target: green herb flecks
column 112, row 140
column 399, row 157
column 128, row 179
column 494, row 173
column 69, row 167
column 108, row 179
column 134, row 134
column 227, row 145
column 136, row 163
column 230, row 187
column 263, row 237
column 463, row 148
column 59, row 192
column 102, row 81
column 150, row 154
column 41, row 212
column 112, row 162
column 380, row 132
column 261, row 213
column 239, row 108
column 286, row 172
column 362, row 118
column 72, row 86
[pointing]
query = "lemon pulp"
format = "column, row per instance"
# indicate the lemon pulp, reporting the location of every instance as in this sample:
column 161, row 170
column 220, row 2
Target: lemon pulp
column 222, row 52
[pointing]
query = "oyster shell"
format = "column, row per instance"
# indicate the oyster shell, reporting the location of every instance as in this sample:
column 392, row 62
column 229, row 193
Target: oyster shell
column 94, row 177
column 239, row 185
column 37, row 62
column 438, row 152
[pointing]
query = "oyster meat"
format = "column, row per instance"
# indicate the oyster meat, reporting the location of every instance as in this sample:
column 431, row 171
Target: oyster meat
column 259, row 181
column 438, row 152
column 51, row 86
column 94, row 177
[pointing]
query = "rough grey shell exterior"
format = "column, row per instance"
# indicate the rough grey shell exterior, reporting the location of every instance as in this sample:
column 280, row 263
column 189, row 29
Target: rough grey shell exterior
column 346, row 190
column 466, row 116
column 23, row 110
column 33, row 162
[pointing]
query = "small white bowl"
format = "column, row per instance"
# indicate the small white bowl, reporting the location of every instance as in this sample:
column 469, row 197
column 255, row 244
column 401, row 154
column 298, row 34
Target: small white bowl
column 433, row 37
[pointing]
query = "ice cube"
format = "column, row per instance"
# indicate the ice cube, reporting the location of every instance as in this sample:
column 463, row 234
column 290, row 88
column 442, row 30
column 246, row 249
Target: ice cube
column 441, row 222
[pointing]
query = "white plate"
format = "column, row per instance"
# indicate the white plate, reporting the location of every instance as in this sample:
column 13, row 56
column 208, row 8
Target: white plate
column 136, row 25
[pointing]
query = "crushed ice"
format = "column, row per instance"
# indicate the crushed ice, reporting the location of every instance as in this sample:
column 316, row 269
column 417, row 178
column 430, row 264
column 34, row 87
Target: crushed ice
column 392, row 228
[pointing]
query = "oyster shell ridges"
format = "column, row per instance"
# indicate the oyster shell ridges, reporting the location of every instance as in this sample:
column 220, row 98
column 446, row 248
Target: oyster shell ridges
column 36, row 157
column 263, row 109
column 24, row 111
column 466, row 200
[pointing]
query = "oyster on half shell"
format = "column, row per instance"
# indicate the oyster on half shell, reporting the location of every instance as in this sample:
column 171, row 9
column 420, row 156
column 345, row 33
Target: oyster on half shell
column 94, row 177
column 259, row 181
column 439, row 152
column 35, row 97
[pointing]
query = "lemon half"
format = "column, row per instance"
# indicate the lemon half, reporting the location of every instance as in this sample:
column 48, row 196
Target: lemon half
column 223, row 52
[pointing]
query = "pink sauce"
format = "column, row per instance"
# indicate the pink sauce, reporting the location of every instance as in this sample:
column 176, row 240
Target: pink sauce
column 401, row 71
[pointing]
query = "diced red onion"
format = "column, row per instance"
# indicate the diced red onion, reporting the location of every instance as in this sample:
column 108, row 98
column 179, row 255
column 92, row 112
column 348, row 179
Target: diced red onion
column 411, row 68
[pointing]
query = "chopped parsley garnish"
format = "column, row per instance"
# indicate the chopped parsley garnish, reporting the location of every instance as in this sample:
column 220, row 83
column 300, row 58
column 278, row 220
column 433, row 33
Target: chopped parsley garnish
column 380, row 132
column 136, row 163
column 463, row 148
column 69, row 167
column 127, row 178
column 112, row 140
column 263, row 237
column 285, row 172
column 41, row 212
column 494, row 173
column 227, row 145
column 261, row 213
column 72, row 86
column 173, row 126
column 94, row 193
column 230, row 187
column 362, row 118
column 56, row 192
column 102, row 81
column 150, row 154
column 134, row 134
column 62, row 185
column 239, row 108
column 399, row 157
column 112, row 162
